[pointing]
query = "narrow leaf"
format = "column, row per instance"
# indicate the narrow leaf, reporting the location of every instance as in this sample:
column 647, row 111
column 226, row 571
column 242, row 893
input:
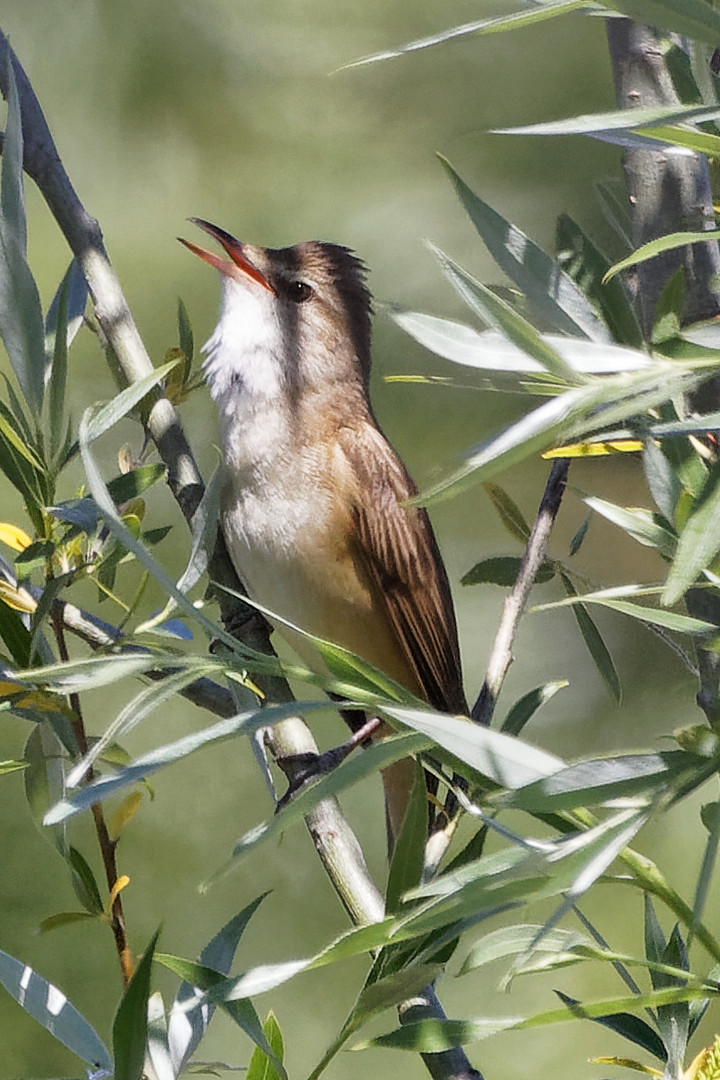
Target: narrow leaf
column 131, row 1020
column 692, row 18
column 630, row 1027
column 595, row 644
column 639, row 523
column 185, row 336
column 587, row 265
column 663, row 243
column 525, row 708
column 49, row 1006
column 21, row 323
column 554, row 294
column 261, row 1066
column 548, row 9
column 498, row 314
column 147, row 764
column 503, row 570
column 490, row 351
column 104, row 418
column 601, row 780
column 505, row 760
column 186, row 1029
column 510, row 513
column 699, row 540
column 617, row 120
column 409, row 855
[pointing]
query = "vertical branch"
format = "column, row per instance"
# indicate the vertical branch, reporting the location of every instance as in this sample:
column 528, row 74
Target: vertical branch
column 668, row 192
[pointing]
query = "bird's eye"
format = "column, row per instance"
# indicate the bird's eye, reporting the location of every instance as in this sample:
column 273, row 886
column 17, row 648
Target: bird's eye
column 298, row 291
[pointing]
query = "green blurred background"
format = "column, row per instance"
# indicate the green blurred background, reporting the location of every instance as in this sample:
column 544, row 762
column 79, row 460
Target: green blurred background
column 235, row 111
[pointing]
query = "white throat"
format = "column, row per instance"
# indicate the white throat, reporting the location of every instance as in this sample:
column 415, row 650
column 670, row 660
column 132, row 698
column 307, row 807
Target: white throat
column 244, row 354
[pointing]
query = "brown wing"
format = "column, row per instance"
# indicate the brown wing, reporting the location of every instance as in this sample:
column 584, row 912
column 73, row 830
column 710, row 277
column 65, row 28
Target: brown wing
column 397, row 546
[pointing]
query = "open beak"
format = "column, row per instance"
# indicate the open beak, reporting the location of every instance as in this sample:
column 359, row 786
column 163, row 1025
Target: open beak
column 237, row 266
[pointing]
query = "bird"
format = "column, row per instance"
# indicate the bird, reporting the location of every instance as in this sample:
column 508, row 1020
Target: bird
column 314, row 508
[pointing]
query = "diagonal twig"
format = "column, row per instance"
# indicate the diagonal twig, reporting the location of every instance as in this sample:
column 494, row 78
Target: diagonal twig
column 501, row 653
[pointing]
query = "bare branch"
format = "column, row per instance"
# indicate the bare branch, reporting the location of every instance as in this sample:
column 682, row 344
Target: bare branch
column 501, row 653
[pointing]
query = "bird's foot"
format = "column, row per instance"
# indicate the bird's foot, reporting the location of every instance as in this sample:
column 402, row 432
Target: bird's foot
column 302, row 769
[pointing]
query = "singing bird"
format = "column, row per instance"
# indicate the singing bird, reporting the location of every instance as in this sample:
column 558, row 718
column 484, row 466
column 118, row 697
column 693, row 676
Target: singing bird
column 314, row 510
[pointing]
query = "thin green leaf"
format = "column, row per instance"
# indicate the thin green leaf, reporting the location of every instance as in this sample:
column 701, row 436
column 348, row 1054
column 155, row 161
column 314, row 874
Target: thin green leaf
column 433, row 1036
column 516, row 941
column 578, row 538
column 262, row 1066
column 700, row 142
column 602, row 780
column 142, row 705
column 638, row 522
column 617, row 120
column 498, row 314
column 351, row 771
column 669, row 306
column 586, row 265
column 632, row 1028
column 12, row 195
column 408, row 858
column 84, row 883
column 64, row 918
column 16, row 439
column 44, row 779
column 49, row 1006
column 107, row 415
column 504, row 759
column 77, row 292
column 663, row 243
column 187, row 1029
column 547, row 287
column 490, row 351
column 615, row 209
column 130, row 485
column 655, row 942
column 9, row 766
column 692, row 18
column 547, row 9
column 509, row 512
column 526, row 707
column 186, row 339
column 699, row 540
column 131, row 1020
column 147, row 764
column 90, row 673
column 595, row 644
column 21, row 323
column 710, row 815
column 503, row 570
column 674, row 1018
column 58, row 367
column 17, row 638
column 664, row 483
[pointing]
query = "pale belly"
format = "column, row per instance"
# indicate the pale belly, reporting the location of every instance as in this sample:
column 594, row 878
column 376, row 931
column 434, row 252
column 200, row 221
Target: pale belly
column 293, row 552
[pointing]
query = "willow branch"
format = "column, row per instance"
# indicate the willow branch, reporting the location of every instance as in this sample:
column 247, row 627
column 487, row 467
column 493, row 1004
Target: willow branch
column 501, row 653
column 670, row 194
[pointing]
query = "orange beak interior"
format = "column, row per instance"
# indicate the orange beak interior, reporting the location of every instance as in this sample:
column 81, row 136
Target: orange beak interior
column 237, row 266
